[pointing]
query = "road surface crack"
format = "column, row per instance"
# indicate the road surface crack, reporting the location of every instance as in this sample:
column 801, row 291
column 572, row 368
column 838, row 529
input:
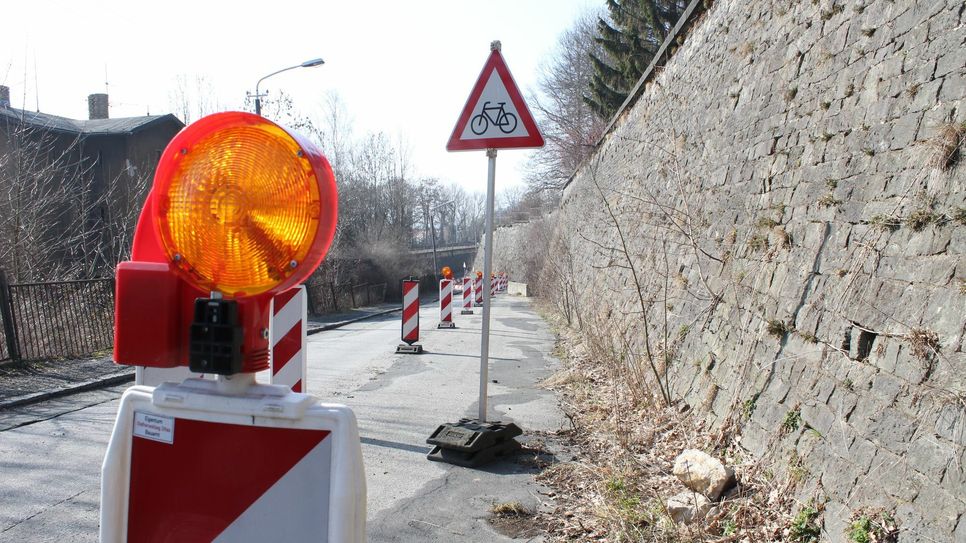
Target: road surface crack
column 44, row 510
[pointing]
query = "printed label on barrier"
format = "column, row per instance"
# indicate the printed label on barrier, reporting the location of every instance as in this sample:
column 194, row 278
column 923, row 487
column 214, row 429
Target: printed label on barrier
column 156, row 427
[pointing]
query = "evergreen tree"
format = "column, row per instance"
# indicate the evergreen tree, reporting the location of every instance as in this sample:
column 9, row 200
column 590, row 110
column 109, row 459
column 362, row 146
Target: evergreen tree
column 631, row 37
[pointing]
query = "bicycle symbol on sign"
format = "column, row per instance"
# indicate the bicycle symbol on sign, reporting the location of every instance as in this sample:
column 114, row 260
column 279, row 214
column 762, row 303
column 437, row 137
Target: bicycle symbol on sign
column 506, row 122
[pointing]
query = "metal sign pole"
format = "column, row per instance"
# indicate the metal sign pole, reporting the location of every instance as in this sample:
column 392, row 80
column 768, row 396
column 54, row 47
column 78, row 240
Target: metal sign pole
column 487, row 269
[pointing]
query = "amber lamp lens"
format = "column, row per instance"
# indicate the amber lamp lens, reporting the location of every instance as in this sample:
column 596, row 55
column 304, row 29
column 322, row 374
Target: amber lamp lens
column 239, row 209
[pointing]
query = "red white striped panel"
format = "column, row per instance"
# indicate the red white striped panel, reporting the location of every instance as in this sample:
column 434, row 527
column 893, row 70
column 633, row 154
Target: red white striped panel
column 478, row 289
column 446, row 300
column 467, row 294
column 410, row 313
column 287, row 336
column 261, row 484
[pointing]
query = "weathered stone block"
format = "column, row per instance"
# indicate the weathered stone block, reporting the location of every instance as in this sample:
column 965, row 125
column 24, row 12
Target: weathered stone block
column 930, row 457
column 819, row 417
column 896, row 478
column 702, row 473
column 838, row 476
column 687, row 507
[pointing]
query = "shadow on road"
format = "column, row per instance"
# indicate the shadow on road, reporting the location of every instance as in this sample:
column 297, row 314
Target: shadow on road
column 396, row 445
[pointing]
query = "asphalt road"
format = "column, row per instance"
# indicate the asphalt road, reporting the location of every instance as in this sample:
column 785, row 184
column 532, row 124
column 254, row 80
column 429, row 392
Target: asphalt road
column 50, row 453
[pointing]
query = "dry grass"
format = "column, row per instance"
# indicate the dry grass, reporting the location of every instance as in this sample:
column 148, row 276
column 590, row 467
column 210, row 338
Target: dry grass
column 616, row 487
column 509, row 509
column 946, row 145
column 513, row 520
column 924, row 343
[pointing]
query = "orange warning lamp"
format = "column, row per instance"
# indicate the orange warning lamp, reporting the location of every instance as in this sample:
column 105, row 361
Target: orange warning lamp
column 239, row 206
column 240, row 209
column 479, row 275
column 447, row 272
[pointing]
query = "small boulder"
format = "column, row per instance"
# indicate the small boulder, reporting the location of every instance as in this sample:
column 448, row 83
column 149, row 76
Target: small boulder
column 703, row 473
column 688, row 507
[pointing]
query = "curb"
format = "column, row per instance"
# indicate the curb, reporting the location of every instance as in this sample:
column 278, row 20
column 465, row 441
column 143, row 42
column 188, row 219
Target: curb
column 126, row 377
column 80, row 387
column 340, row 324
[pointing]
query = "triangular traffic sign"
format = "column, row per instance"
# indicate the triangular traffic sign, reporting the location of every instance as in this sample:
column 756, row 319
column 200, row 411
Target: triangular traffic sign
column 495, row 115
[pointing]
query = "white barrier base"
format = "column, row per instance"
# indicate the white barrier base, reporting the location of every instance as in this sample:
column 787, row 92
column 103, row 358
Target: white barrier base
column 229, row 460
column 153, row 377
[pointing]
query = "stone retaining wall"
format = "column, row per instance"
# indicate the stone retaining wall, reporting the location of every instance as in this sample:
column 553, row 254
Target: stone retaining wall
column 778, row 190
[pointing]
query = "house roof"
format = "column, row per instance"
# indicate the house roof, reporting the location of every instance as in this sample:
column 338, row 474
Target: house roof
column 123, row 125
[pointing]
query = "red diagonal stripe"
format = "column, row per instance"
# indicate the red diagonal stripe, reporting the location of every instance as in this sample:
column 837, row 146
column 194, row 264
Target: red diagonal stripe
column 287, row 347
column 410, row 311
column 283, row 298
column 192, row 489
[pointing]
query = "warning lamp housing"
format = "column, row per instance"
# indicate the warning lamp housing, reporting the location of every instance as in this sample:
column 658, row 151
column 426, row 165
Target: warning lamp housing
column 447, row 272
column 240, row 210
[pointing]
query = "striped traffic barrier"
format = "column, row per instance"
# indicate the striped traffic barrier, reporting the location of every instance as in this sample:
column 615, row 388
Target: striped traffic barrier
column 467, row 296
column 446, row 304
column 287, row 337
column 492, row 286
column 478, row 289
column 410, row 318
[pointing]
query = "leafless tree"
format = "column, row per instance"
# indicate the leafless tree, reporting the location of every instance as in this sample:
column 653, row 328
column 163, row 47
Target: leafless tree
column 570, row 127
column 192, row 97
column 57, row 221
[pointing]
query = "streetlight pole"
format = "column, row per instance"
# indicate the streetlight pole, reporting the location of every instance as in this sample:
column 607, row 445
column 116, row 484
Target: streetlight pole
column 432, row 230
column 307, row 64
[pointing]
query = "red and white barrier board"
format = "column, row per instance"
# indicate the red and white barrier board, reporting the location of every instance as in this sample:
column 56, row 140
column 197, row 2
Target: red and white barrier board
column 287, row 336
column 410, row 313
column 209, row 460
column 467, row 296
column 446, row 304
column 478, row 289
column 493, row 284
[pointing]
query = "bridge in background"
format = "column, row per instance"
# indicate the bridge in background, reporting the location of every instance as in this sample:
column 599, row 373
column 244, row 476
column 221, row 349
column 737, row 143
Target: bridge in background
column 454, row 256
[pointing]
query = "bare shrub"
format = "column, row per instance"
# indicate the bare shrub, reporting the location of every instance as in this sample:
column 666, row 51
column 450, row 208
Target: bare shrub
column 946, row 145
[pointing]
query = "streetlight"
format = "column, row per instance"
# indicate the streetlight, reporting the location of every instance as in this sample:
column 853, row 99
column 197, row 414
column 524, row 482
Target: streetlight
column 432, row 229
column 307, row 64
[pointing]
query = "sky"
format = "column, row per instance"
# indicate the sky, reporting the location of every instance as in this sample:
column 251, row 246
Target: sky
column 403, row 67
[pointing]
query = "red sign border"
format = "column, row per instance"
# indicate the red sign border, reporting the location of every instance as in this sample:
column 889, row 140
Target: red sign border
column 532, row 140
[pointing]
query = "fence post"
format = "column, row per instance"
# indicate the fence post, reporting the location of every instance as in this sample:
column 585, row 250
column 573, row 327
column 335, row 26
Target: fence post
column 352, row 294
column 6, row 314
column 335, row 299
column 368, row 294
column 310, row 299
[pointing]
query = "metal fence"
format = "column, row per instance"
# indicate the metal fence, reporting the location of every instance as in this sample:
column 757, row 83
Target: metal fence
column 326, row 297
column 56, row 319
column 64, row 319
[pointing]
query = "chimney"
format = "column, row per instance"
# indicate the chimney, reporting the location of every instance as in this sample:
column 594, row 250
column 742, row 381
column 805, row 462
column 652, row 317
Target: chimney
column 4, row 96
column 97, row 106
